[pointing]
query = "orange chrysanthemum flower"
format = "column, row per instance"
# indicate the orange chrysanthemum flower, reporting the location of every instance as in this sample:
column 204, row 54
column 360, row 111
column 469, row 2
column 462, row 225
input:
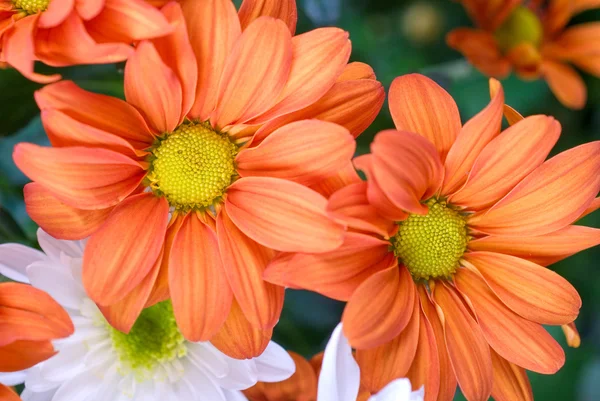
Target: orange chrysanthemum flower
column 190, row 186
column 442, row 266
column 67, row 32
column 29, row 320
column 531, row 38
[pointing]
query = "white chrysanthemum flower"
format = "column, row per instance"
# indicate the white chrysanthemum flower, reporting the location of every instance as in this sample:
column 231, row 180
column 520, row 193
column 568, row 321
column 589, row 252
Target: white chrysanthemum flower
column 99, row 363
column 339, row 379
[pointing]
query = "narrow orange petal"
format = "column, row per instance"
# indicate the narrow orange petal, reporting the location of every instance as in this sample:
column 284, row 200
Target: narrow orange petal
column 551, row 197
column 336, row 274
column 122, row 252
column 542, row 249
column 595, row 205
column 407, row 167
column 572, row 335
column 255, row 74
column 153, row 88
column 425, row 368
column 481, row 49
column 421, row 106
column 510, row 381
column 282, row 215
column 21, row 355
column 506, row 160
column 244, row 262
column 471, row 140
column 284, row 10
column 566, row 84
column 7, row 394
column 200, row 292
column 468, row 350
column 213, row 28
column 355, row 71
column 530, row 290
column 305, row 152
column 522, row 342
column 346, row 175
column 391, row 360
column 368, row 324
column 89, row 9
column 238, row 338
column 59, row 220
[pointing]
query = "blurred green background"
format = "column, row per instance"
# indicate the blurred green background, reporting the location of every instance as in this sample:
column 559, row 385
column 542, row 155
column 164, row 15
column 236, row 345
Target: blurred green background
column 395, row 37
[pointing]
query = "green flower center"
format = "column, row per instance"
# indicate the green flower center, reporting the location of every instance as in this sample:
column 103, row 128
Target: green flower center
column 430, row 246
column 153, row 340
column 31, row 6
column 522, row 26
column 192, row 167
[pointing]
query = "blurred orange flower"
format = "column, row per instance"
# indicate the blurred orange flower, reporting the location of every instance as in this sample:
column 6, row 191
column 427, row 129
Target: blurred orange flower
column 68, row 32
column 530, row 38
column 30, row 320
column 442, row 266
column 189, row 187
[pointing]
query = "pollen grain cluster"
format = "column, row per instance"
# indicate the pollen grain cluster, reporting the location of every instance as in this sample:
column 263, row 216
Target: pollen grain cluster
column 431, row 245
column 31, row 6
column 192, row 167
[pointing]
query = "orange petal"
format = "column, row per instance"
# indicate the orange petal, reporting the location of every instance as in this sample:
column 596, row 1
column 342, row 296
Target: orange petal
column 522, row 342
column 473, row 137
column 7, row 394
column 407, row 168
column 481, row 49
column 390, row 361
column 318, row 58
column 357, row 70
column 578, row 41
column 123, row 314
column 200, row 292
column 305, row 152
column 336, row 274
column 595, row 205
column 368, row 324
column 506, row 160
column 468, row 350
column 59, row 220
column 551, row 197
column 530, row 290
column 421, row 106
column 255, row 74
column 556, row 16
column 178, row 54
column 213, row 28
column 244, row 262
column 27, row 313
column 425, row 369
column 238, row 338
column 122, row 252
column 89, row 9
column 106, row 113
column 566, row 84
column 375, row 194
column 80, row 177
column 447, row 377
column 128, row 21
column 153, row 88
column 64, row 131
column 282, row 215
column 579, row 6
column 542, row 249
column 510, row 381
column 284, row 10
column 572, row 335
column 347, row 175
column 21, row 355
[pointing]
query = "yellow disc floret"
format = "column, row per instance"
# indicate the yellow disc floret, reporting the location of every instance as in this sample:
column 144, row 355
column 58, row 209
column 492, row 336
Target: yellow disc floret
column 431, row 245
column 522, row 26
column 31, row 6
column 192, row 167
column 153, row 340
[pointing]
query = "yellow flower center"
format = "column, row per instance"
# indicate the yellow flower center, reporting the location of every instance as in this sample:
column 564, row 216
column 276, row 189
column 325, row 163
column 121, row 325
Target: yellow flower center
column 192, row 166
column 430, row 246
column 153, row 340
column 522, row 26
column 31, row 6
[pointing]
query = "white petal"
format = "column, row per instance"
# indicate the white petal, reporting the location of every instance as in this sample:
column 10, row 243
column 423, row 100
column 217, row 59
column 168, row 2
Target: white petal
column 28, row 395
column 242, row 374
column 58, row 282
column 201, row 383
column 418, row 395
column 64, row 365
column 79, row 388
column 340, row 376
column 54, row 247
column 208, row 356
column 274, row 364
column 36, row 383
column 397, row 390
column 233, row 395
column 13, row 378
column 14, row 259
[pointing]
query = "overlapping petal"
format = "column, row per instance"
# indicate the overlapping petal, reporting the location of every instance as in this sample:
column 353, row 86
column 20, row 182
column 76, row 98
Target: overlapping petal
column 284, row 10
